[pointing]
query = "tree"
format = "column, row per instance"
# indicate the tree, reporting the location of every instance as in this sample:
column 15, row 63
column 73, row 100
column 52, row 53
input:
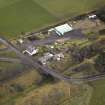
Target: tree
column 100, row 62
column 101, row 14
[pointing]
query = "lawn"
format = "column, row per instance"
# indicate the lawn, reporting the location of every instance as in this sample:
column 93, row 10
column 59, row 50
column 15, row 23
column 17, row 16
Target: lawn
column 18, row 16
column 4, row 3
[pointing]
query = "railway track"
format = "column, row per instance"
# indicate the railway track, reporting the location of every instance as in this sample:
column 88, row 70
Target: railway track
column 45, row 69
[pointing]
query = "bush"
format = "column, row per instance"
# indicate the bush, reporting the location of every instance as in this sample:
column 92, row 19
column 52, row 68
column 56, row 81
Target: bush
column 16, row 88
column 100, row 62
column 101, row 14
column 101, row 32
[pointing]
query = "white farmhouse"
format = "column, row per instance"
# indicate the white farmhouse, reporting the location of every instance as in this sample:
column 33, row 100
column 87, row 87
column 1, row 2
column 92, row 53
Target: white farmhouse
column 30, row 51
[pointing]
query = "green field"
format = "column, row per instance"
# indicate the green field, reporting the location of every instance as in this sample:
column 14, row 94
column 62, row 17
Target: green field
column 62, row 8
column 98, row 96
column 26, row 15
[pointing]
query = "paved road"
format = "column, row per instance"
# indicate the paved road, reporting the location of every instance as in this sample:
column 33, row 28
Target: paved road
column 46, row 70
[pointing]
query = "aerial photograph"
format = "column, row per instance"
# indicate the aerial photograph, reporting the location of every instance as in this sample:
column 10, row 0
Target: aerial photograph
column 52, row 52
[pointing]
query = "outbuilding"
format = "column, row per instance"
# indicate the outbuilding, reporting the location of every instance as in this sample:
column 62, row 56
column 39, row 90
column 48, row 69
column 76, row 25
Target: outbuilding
column 62, row 29
column 92, row 16
column 47, row 56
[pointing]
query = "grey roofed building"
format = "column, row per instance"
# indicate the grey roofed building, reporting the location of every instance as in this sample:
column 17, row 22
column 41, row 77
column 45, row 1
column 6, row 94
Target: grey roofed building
column 49, row 56
column 58, row 57
column 62, row 29
column 45, row 58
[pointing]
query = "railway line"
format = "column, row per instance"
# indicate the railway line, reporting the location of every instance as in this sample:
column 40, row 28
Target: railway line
column 45, row 69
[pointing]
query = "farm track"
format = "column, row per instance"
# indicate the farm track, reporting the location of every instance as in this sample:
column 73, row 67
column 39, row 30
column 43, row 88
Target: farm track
column 75, row 34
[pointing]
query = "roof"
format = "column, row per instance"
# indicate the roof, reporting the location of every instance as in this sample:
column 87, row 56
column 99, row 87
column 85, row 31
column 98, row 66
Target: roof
column 92, row 16
column 31, row 50
column 20, row 41
column 61, row 30
column 45, row 58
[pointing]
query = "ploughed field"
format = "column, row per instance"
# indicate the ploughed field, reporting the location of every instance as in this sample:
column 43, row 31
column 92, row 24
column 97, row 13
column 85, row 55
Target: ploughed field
column 18, row 16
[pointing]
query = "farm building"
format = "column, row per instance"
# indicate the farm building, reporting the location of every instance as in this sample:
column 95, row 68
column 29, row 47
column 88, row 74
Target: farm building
column 62, row 29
